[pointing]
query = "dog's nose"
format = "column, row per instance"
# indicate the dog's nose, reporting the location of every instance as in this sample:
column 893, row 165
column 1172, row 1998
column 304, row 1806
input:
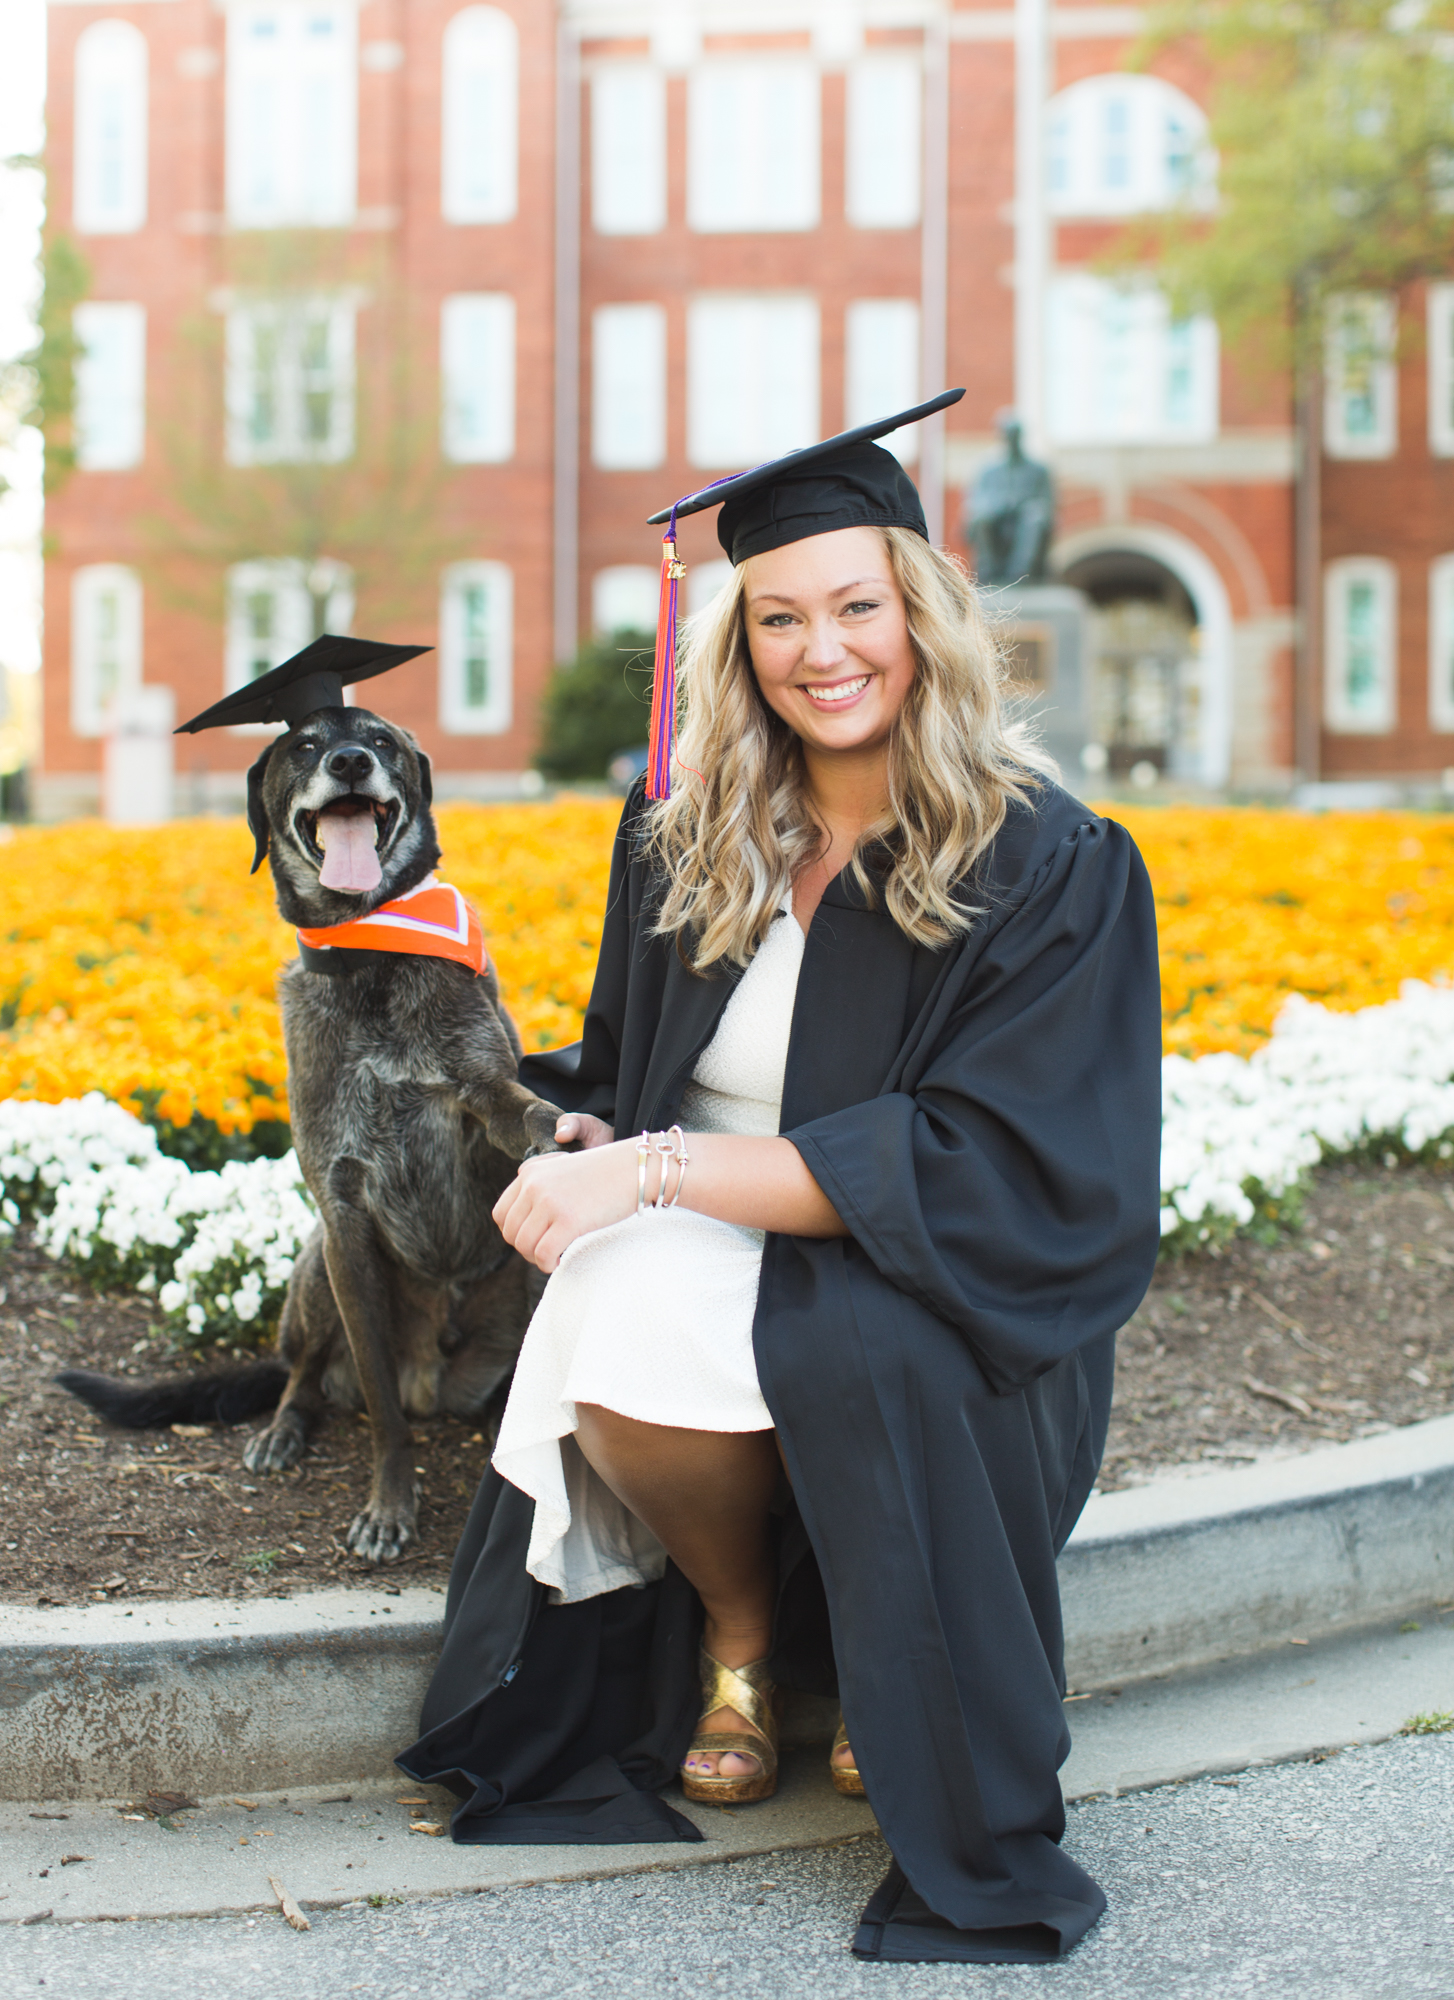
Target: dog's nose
column 351, row 765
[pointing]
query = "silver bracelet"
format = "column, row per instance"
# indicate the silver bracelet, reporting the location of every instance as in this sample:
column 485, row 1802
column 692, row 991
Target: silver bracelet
column 643, row 1148
column 683, row 1161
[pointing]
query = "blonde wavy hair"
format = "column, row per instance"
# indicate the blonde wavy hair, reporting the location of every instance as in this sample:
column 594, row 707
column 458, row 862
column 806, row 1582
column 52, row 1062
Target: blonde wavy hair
column 730, row 840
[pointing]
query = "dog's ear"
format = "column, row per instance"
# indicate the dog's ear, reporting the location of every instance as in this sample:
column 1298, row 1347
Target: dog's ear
column 257, row 817
column 426, row 779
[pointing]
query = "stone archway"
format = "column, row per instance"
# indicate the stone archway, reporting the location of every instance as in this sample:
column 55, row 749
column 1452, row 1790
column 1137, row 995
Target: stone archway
column 1161, row 649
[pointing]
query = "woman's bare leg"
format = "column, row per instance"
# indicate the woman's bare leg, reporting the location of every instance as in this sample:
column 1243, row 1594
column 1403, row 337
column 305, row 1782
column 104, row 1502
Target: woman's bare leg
column 705, row 1495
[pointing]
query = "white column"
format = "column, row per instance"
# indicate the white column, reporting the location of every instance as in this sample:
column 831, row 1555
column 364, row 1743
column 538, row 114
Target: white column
column 934, row 269
column 1032, row 222
column 566, row 620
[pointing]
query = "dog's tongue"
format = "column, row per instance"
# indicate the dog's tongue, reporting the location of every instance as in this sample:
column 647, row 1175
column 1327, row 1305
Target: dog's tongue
column 350, row 859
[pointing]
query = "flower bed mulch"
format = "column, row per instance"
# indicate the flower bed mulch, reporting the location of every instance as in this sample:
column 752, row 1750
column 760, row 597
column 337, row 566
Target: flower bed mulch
column 1340, row 1331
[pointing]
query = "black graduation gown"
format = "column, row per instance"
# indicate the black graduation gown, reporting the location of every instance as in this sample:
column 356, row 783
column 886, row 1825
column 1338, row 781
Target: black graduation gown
column 986, row 1120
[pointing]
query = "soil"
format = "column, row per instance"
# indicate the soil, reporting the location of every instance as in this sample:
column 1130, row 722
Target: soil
column 1350, row 1322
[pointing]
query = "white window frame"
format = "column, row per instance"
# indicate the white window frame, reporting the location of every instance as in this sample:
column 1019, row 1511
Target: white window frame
column 287, row 321
column 106, row 643
column 754, row 158
column 881, row 367
column 458, row 716
column 628, row 149
column 628, row 387
column 110, row 406
column 883, row 141
column 292, row 115
column 744, row 405
column 1441, row 645
column 284, row 578
column 109, row 186
column 1157, row 175
column 477, row 377
column 620, row 585
column 480, row 120
column 1111, row 355
column 1339, row 714
column 1441, row 370
column 1371, row 320
column 705, row 583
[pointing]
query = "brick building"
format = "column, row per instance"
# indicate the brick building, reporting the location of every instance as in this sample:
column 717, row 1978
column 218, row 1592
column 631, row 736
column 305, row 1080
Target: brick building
column 581, row 257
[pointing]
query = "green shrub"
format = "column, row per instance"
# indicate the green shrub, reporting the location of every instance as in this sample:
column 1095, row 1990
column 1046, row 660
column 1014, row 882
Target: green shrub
column 596, row 705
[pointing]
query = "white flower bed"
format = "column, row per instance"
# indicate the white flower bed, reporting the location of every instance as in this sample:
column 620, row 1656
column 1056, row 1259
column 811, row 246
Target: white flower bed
column 218, row 1248
column 1234, row 1129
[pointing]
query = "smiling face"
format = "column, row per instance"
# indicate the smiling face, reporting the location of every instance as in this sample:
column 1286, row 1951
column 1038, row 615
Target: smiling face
column 828, row 633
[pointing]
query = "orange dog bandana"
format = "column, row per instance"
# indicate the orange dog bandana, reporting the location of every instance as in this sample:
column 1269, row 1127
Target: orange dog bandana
column 432, row 921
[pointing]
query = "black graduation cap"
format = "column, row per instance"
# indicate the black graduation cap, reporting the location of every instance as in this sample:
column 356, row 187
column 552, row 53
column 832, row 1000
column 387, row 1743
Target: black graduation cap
column 848, row 481
column 312, row 679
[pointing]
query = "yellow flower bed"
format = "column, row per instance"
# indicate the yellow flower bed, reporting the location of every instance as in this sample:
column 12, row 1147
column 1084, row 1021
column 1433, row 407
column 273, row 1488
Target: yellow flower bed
column 1254, row 905
column 144, row 963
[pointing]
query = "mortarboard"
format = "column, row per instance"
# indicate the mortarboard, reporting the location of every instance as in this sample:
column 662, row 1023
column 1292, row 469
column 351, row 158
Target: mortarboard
column 848, row 481
column 312, row 679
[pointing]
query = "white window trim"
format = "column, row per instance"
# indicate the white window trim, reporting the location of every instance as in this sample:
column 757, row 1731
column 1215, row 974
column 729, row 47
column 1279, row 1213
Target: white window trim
column 745, row 450
column 285, row 577
column 1337, row 715
column 609, row 217
column 1441, row 645
column 110, row 46
column 1071, row 292
column 1440, row 328
column 292, row 446
column 863, row 398
column 497, row 312
column 89, row 714
column 863, row 202
column 295, row 207
column 1381, row 314
column 459, row 203
column 636, row 583
column 704, row 216
column 456, row 718
column 126, row 445
column 1147, row 191
column 643, row 325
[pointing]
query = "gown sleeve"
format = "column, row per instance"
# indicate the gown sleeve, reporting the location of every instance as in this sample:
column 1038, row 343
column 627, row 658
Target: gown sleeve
column 1008, row 1177
column 582, row 1076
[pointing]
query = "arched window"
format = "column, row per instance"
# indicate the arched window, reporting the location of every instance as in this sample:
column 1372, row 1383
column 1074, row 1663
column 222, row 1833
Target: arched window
column 109, row 196
column 292, row 113
column 1120, row 145
column 480, row 169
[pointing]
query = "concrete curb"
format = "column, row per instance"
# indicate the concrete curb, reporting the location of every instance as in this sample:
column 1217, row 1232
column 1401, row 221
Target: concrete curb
column 321, row 1689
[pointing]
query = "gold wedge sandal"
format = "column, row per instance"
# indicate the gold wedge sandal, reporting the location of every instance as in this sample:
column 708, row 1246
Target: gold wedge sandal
column 749, row 1691
column 845, row 1776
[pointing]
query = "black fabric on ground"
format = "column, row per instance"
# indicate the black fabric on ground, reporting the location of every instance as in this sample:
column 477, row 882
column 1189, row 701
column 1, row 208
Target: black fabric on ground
column 986, row 1120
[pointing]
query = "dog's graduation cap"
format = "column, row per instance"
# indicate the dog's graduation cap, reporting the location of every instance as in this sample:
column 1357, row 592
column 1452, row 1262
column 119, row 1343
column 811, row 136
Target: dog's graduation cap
column 312, row 679
column 848, row 481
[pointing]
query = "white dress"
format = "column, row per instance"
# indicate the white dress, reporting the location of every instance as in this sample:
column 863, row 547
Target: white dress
column 651, row 1317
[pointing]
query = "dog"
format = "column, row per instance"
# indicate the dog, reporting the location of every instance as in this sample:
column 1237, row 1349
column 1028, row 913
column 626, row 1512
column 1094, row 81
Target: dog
column 409, row 1122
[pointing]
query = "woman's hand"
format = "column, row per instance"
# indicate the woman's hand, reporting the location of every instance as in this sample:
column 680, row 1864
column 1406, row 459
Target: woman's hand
column 585, row 1131
column 560, row 1196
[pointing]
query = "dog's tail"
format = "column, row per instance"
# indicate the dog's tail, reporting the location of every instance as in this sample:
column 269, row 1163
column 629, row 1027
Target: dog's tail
column 226, row 1396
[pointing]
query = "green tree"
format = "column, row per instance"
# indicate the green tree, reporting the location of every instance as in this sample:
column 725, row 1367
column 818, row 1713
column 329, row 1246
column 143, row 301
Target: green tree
column 1333, row 127
column 596, row 705
column 39, row 387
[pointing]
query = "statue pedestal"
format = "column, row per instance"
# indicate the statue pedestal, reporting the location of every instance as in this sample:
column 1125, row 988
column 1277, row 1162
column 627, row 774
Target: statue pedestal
column 1044, row 629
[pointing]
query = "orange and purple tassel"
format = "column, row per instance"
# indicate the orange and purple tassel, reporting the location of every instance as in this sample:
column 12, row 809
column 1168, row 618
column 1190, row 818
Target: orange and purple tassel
column 661, row 744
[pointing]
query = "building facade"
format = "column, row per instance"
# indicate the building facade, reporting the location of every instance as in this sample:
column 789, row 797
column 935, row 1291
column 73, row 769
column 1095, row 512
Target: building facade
column 409, row 313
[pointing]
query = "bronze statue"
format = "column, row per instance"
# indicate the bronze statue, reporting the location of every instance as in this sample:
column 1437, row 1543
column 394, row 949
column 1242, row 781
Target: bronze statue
column 1011, row 513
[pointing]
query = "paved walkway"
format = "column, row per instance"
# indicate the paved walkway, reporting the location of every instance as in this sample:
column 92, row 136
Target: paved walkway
column 1330, row 1880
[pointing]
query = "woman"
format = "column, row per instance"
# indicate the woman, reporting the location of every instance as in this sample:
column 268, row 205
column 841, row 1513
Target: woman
column 886, row 1002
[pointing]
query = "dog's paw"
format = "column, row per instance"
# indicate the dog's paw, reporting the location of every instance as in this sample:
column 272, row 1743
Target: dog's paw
column 381, row 1534
column 278, row 1447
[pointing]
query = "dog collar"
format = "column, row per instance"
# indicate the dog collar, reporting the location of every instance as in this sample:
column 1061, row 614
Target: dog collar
column 432, row 921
